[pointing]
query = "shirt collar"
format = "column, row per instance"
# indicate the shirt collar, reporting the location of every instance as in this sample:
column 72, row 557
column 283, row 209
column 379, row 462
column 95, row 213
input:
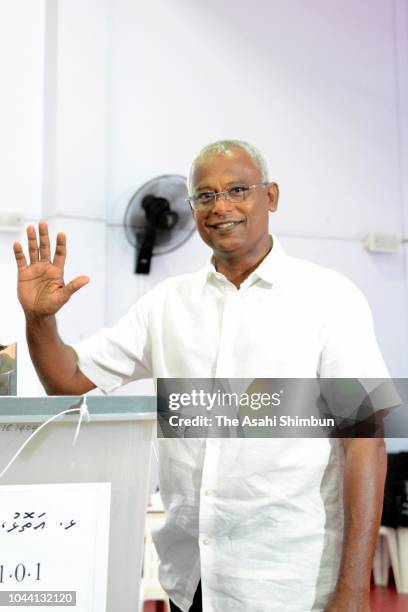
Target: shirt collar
column 269, row 270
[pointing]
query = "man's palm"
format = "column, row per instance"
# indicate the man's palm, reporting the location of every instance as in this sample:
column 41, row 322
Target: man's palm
column 41, row 287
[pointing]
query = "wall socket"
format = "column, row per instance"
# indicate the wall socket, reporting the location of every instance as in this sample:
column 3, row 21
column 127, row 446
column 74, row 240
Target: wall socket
column 11, row 221
column 382, row 243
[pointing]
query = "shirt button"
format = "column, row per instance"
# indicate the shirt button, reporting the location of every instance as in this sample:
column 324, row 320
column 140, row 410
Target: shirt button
column 206, row 541
column 207, row 492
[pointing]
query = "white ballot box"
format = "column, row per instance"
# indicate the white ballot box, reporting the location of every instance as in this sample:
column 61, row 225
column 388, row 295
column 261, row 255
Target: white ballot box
column 72, row 516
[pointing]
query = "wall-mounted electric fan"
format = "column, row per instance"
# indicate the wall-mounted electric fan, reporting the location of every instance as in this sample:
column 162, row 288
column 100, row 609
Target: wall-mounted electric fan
column 158, row 219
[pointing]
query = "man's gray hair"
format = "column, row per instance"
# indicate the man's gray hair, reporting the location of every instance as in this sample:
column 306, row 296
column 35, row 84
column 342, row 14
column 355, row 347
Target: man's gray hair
column 222, row 147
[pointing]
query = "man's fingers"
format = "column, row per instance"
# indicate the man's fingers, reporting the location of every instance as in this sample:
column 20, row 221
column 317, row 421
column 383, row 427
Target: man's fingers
column 60, row 250
column 32, row 244
column 19, row 255
column 76, row 284
column 44, row 241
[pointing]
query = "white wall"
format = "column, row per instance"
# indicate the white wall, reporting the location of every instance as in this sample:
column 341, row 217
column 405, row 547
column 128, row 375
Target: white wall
column 22, row 71
column 312, row 85
column 75, row 101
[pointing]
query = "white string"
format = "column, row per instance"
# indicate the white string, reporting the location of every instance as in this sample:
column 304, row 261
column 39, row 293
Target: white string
column 154, row 451
column 83, row 411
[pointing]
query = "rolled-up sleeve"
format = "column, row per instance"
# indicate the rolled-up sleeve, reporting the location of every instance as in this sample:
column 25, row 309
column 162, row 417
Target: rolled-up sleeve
column 115, row 356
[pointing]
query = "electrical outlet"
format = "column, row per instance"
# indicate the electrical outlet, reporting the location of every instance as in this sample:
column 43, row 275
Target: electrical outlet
column 382, row 243
column 11, row 221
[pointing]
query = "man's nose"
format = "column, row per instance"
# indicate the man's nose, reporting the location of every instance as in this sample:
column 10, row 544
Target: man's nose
column 222, row 204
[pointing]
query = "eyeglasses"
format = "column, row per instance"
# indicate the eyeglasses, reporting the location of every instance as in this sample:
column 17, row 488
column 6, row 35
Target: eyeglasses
column 236, row 194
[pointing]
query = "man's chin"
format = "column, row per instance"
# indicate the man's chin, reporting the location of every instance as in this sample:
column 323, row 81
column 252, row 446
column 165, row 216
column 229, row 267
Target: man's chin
column 225, row 246
column 224, row 243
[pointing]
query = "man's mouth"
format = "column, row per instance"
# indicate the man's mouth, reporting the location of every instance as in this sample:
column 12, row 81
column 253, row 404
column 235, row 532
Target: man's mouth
column 224, row 225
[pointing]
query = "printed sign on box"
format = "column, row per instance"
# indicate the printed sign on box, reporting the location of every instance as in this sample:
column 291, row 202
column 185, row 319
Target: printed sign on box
column 55, row 537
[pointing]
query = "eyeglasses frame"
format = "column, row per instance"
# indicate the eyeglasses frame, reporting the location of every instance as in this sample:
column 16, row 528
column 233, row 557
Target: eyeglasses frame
column 225, row 194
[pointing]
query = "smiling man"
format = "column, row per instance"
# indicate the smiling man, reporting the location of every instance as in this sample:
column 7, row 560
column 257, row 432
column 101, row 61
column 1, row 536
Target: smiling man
column 231, row 201
column 252, row 525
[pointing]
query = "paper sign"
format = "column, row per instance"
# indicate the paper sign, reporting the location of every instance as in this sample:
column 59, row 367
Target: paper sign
column 55, row 537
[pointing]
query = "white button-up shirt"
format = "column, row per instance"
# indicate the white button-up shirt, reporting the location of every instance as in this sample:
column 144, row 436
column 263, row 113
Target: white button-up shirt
column 260, row 521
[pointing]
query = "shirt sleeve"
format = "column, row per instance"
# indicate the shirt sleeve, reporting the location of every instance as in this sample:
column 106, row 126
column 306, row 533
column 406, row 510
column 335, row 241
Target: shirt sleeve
column 351, row 352
column 115, row 356
column 350, row 347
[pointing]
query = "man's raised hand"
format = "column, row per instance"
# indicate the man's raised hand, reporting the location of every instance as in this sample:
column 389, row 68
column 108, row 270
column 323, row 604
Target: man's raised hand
column 41, row 289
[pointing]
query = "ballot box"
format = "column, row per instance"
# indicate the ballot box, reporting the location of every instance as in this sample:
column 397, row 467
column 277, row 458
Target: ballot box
column 72, row 515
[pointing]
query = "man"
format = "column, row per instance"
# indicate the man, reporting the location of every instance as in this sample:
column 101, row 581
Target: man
column 259, row 522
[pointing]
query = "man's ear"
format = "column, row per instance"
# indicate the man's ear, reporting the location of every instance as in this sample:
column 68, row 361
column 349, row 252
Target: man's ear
column 273, row 196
